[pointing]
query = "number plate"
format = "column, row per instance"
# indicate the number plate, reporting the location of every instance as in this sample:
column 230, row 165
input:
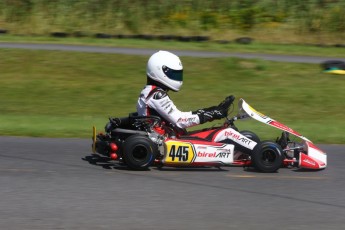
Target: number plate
column 179, row 152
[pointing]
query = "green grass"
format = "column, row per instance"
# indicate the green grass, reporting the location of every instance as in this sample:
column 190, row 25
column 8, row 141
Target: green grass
column 62, row 94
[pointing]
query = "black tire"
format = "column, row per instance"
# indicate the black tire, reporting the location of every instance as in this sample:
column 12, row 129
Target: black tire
column 250, row 135
column 59, row 34
column 139, row 152
column 269, row 158
column 244, row 40
column 333, row 64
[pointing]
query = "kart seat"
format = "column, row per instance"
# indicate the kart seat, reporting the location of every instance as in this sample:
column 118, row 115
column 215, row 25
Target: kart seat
column 204, row 134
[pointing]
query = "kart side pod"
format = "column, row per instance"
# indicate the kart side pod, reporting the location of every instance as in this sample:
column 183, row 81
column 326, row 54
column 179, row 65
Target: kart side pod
column 189, row 153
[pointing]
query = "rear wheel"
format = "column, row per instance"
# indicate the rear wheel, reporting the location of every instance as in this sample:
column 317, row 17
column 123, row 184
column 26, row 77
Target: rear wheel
column 270, row 157
column 139, row 152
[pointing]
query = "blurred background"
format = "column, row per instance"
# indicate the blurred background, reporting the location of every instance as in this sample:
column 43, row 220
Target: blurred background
column 318, row 21
column 62, row 93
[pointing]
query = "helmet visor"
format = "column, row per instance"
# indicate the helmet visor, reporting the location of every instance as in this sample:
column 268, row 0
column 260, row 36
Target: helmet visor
column 176, row 75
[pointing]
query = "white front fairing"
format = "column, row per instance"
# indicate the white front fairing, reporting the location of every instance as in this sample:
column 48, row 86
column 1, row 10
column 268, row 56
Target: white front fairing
column 244, row 108
column 316, row 159
column 235, row 136
column 312, row 157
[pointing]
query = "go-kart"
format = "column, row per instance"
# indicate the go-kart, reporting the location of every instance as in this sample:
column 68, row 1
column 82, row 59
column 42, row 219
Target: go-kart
column 143, row 141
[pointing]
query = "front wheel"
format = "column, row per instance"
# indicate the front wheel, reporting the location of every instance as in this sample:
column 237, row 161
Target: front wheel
column 269, row 159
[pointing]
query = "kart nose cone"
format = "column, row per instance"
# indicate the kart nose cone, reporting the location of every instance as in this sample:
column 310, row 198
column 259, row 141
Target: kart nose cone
column 310, row 163
column 315, row 159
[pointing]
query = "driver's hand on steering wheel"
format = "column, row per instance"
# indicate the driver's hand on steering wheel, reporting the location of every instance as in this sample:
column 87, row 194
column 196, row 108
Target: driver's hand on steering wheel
column 224, row 105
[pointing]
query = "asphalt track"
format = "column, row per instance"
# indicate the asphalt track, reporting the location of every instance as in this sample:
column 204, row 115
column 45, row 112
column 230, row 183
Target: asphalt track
column 58, row 184
column 148, row 52
column 50, row 183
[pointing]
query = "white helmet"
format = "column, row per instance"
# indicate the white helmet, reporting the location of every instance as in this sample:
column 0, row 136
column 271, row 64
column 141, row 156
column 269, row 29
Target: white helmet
column 166, row 68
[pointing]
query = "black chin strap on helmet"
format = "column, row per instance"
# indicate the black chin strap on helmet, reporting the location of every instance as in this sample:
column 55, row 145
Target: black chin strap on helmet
column 150, row 81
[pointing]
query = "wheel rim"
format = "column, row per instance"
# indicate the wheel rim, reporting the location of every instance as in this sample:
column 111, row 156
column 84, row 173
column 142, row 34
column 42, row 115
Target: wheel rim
column 268, row 157
column 140, row 153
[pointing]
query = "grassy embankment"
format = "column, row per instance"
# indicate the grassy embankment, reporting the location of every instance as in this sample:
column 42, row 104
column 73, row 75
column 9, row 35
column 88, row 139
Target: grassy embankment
column 283, row 21
column 62, row 94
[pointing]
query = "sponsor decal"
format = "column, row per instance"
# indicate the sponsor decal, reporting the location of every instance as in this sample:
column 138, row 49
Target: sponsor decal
column 283, row 127
column 310, row 162
column 257, row 113
column 214, row 154
column 186, row 119
column 164, row 102
column 167, row 107
column 201, row 147
column 171, row 110
column 237, row 137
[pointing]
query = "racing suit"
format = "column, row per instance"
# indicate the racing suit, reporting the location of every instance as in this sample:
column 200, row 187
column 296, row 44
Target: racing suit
column 154, row 100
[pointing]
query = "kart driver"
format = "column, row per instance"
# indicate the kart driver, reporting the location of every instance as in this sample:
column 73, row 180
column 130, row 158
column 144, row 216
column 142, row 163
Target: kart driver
column 165, row 72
